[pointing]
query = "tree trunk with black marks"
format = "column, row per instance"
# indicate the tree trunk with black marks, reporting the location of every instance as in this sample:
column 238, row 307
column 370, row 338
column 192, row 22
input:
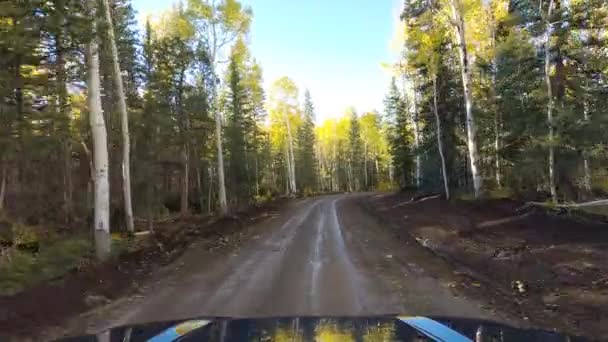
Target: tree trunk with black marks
column 100, row 147
column 473, row 155
column 444, row 171
column 550, row 103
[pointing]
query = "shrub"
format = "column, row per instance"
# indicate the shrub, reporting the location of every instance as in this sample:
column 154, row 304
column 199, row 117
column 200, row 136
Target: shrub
column 23, row 269
column 62, row 256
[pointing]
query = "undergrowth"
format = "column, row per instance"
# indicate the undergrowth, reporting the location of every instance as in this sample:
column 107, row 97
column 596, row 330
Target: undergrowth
column 23, row 269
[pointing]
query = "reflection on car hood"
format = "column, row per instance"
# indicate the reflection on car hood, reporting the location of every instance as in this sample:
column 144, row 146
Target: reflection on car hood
column 300, row 329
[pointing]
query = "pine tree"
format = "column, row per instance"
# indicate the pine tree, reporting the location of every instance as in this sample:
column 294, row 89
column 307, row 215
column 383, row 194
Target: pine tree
column 355, row 163
column 400, row 136
column 306, row 161
column 236, row 134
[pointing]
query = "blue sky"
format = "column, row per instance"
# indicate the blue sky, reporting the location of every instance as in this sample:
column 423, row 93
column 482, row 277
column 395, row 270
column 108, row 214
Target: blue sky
column 332, row 47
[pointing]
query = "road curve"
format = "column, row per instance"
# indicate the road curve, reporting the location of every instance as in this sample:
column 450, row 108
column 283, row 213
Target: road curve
column 322, row 256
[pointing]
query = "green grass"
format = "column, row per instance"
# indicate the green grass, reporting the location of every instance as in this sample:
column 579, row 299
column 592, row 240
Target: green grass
column 464, row 196
column 55, row 259
column 599, row 210
column 500, row 193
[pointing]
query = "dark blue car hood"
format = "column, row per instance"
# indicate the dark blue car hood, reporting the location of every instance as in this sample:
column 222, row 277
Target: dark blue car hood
column 334, row 329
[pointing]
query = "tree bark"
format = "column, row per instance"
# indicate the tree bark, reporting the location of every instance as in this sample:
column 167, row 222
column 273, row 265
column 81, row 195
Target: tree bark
column 210, row 192
column 220, row 156
column 100, row 147
column 185, row 186
column 199, row 188
column 377, row 170
column 150, row 200
column 550, row 103
column 185, row 152
column 497, row 114
column 416, row 122
column 3, row 186
column 292, row 172
column 586, row 167
column 218, row 121
column 124, row 121
column 365, row 164
column 444, row 170
column 62, row 97
column 497, row 133
column 473, row 156
column 91, row 181
column 257, row 175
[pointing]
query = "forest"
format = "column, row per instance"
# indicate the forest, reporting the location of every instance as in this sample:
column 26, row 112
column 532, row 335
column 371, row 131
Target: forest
column 135, row 122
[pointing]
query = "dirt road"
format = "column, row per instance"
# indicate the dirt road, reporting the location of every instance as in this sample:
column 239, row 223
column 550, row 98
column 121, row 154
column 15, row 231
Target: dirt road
column 320, row 256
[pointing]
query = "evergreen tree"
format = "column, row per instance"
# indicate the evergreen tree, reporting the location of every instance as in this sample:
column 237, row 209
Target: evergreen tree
column 236, row 133
column 306, row 161
column 355, row 162
column 400, row 135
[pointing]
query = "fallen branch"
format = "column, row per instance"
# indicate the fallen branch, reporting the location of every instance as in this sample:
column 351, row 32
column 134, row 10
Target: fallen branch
column 573, row 205
column 497, row 222
column 416, row 200
column 168, row 219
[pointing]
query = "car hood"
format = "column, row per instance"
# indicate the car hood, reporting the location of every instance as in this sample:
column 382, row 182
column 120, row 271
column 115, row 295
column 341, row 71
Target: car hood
column 300, row 329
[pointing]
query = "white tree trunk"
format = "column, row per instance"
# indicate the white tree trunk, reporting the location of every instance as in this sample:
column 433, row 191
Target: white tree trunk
column 185, row 186
column 220, row 166
column 288, row 171
column 210, row 192
column 444, row 170
column 124, row 121
column 377, row 171
column 497, row 123
column 497, row 114
column 221, row 182
column 497, row 130
column 468, row 102
column 257, row 174
column 100, row 147
column 291, row 164
column 586, row 167
column 365, row 165
column 416, row 121
column 550, row 103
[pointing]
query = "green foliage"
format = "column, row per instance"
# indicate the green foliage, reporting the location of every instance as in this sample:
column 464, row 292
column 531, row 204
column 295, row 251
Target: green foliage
column 509, row 94
column 355, row 152
column 17, row 273
column 305, row 157
column 24, row 235
column 400, row 134
column 241, row 144
column 62, row 256
column 368, row 167
column 56, row 258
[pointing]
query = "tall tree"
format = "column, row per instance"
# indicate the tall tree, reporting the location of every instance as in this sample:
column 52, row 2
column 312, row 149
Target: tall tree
column 457, row 9
column 550, row 101
column 240, row 123
column 355, row 152
column 218, row 25
column 124, row 120
column 100, row 149
column 425, row 42
column 306, row 161
column 285, row 119
column 400, row 136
